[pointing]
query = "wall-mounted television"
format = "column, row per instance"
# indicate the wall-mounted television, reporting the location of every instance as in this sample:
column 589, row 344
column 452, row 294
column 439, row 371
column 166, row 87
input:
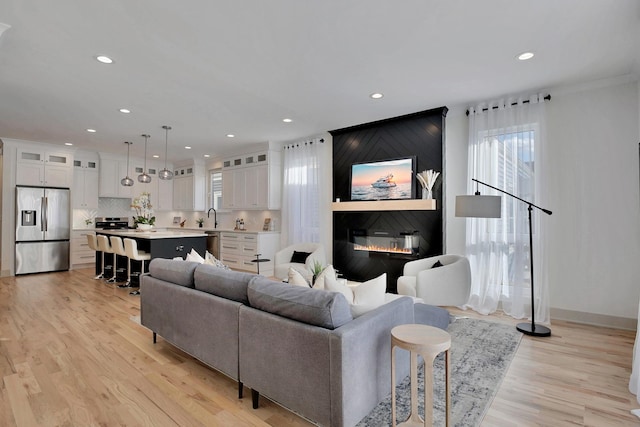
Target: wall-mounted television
column 389, row 179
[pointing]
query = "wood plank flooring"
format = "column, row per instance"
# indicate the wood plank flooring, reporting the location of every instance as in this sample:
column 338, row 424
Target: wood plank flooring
column 72, row 353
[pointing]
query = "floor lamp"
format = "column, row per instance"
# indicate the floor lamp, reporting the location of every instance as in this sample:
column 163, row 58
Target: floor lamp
column 478, row 206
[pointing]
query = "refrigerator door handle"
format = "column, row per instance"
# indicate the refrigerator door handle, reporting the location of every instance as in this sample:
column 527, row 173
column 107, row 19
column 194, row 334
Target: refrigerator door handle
column 43, row 222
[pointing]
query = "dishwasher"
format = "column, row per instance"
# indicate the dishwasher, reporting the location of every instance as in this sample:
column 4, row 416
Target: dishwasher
column 213, row 243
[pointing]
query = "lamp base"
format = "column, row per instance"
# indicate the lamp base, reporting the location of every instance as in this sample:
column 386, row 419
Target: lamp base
column 534, row 330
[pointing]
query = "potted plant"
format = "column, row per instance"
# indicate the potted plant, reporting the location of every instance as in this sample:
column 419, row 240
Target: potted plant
column 316, row 270
column 200, row 221
column 143, row 219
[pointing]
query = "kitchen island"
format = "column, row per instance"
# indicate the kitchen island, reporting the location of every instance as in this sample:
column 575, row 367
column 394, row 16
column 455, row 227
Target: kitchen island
column 158, row 243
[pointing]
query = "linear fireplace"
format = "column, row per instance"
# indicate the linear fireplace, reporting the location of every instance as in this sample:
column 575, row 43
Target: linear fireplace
column 384, row 241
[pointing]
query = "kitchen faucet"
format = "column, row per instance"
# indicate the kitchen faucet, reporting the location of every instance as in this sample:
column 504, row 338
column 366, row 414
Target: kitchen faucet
column 215, row 217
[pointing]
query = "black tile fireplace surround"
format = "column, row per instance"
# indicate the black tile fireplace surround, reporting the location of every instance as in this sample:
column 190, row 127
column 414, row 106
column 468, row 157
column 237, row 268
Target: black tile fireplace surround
column 367, row 244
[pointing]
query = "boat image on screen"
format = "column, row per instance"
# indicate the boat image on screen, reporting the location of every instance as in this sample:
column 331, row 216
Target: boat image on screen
column 382, row 180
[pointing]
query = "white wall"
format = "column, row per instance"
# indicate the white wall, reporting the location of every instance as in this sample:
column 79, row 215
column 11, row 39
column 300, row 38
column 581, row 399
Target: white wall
column 594, row 251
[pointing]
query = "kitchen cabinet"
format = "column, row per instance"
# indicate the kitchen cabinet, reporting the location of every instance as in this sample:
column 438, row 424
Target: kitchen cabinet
column 86, row 181
column 189, row 192
column 238, row 249
column 82, row 255
column 252, row 181
column 40, row 167
column 112, row 170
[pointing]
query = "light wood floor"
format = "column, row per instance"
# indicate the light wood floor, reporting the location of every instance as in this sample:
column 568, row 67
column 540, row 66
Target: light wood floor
column 72, row 353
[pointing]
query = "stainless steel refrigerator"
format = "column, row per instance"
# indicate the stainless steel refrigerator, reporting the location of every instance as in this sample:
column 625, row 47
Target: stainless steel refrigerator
column 42, row 229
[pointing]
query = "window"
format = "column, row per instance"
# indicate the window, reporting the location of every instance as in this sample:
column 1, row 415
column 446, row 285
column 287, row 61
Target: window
column 512, row 155
column 215, row 188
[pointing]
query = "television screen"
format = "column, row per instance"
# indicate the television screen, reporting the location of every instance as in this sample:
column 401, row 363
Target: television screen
column 383, row 180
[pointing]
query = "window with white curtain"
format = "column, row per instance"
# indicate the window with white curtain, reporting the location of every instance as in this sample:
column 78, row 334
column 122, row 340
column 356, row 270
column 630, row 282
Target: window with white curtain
column 514, row 158
column 506, row 142
column 301, row 192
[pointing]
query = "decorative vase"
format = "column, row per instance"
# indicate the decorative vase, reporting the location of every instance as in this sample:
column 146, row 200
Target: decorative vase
column 200, row 225
column 426, row 194
column 144, row 226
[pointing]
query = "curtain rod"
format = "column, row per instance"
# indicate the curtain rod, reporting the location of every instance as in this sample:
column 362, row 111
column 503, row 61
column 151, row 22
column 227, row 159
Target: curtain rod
column 526, row 101
column 297, row 144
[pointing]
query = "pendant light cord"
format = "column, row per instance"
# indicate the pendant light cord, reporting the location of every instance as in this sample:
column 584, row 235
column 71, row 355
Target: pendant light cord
column 166, row 143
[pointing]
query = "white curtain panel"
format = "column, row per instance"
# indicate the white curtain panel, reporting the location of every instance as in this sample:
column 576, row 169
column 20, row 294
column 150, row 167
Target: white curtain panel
column 301, row 193
column 506, row 150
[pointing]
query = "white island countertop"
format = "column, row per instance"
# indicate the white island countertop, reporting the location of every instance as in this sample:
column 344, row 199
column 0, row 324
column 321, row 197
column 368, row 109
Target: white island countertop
column 153, row 234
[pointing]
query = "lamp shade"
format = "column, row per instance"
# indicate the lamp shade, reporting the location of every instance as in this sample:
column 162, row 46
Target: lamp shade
column 478, row 206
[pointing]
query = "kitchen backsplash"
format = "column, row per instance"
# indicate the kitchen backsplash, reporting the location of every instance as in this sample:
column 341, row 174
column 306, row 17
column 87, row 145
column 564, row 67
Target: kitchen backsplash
column 116, row 207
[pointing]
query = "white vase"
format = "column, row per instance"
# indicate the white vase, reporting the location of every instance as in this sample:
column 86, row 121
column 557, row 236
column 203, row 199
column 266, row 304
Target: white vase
column 145, row 226
column 426, row 194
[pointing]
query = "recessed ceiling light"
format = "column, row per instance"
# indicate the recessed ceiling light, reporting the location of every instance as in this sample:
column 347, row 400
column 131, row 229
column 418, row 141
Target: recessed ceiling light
column 526, row 55
column 68, row 143
column 186, row 147
column 376, row 95
column 207, row 155
column 91, row 130
column 104, row 59
column 230, row 135
column 287, row 120
column 124, row 110
column 155, row 156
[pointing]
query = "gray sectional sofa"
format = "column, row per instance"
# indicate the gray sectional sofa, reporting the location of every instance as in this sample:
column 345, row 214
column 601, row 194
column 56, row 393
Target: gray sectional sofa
column 299, row 347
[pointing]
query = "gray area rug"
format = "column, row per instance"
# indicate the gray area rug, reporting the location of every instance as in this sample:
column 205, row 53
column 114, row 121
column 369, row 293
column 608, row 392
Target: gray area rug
column 480, row 352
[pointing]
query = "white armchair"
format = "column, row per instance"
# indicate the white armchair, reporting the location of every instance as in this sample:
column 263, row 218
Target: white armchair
column 448, row 285
column 282, row 260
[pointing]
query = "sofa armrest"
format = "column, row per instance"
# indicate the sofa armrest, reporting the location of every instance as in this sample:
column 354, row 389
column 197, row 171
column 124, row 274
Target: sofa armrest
column 407, row 286
column 446, row 285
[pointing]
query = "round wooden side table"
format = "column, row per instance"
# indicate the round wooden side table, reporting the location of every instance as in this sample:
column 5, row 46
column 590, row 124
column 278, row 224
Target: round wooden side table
column 428, row 342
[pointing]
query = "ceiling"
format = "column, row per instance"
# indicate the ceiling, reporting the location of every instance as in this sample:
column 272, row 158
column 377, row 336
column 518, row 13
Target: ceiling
column 211, row 68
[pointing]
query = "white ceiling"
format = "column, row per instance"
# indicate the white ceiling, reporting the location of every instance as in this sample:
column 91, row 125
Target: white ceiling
column 209, row 68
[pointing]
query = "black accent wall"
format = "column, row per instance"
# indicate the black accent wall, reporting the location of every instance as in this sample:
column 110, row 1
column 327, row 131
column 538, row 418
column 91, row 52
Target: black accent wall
column 419, row 134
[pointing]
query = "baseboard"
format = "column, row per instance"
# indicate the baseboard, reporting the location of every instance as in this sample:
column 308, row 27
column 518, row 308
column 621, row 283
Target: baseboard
column 594, row 319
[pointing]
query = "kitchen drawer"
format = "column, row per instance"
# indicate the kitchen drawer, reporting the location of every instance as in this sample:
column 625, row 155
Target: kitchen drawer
column 83, row 258
column 230, row 247
column 232, row 261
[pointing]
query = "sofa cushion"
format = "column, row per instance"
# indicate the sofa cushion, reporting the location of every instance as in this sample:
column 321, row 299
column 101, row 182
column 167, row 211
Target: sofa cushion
column 178, row 272
column 227, row 284
column 315, row 307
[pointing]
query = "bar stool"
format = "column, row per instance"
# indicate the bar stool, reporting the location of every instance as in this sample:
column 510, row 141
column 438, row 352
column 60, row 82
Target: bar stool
column 105, row 247
column 131, row 249
column 428, row 342
column 93, row 244
column 118, row 248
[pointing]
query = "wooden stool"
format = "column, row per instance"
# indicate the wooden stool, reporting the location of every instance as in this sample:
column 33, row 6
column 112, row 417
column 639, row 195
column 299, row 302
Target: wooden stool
column 428, row 342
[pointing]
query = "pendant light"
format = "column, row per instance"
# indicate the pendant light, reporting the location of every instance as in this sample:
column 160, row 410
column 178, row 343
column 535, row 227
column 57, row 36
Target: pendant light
column 166, row 173
column 126, row 181
column 144, row 177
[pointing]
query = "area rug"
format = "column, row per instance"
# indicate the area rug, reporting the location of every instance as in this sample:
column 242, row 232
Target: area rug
column 481, row 352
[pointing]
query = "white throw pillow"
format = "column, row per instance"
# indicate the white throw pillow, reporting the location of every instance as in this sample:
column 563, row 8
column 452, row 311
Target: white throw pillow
column 194, row 256
column 334, row 285
column 296, row 279
column 369, row 295
column 328, row 272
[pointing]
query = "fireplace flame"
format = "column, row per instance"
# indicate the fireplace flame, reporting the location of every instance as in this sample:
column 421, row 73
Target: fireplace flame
column 377, row 248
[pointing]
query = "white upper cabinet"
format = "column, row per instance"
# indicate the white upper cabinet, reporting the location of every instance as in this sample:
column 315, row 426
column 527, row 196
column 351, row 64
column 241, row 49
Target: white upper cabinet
column 86, row 180
column 189, row 190
column 112, row 169
column 41, row 167
column 252, row 181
